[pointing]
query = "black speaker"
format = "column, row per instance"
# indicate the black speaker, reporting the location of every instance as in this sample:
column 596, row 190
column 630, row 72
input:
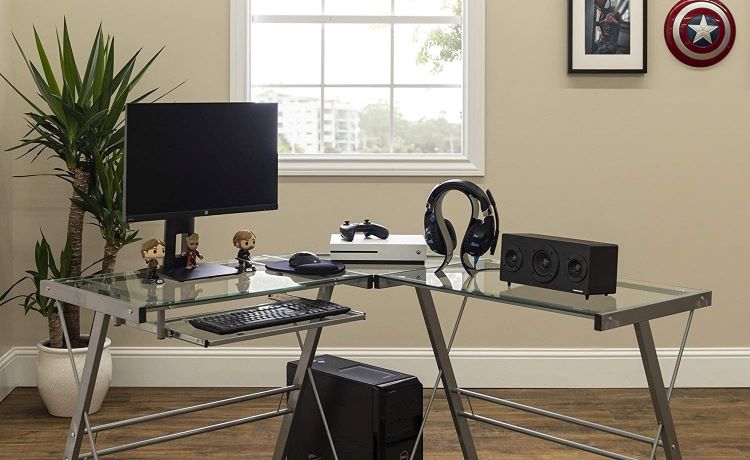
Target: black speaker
column 562, row 264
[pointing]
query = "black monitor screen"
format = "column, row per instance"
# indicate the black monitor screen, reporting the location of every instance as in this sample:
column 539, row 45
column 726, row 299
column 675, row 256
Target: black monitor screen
column 185, row 160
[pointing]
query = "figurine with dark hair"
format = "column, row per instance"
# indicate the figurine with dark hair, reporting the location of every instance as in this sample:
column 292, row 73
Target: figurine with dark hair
column 192, row 254
column 244, row 240
column 153, row 251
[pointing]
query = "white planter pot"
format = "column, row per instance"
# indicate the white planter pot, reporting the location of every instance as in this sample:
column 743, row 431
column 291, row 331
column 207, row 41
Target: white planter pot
column 57, row 384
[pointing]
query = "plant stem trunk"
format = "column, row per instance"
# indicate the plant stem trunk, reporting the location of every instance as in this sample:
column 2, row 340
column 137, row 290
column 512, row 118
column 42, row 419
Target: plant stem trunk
column 56, row 338
column 111, row 249
column 72, row 313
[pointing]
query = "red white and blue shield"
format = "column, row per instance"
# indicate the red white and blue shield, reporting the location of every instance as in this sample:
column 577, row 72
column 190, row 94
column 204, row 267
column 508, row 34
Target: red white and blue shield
column 700, row 33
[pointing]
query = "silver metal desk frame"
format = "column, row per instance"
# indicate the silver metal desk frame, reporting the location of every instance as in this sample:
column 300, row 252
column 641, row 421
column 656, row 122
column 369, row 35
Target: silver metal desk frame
column 107, row 308
column 81, row 426
column 660, row 396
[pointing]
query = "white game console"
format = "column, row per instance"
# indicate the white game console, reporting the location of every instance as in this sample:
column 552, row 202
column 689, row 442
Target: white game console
column 410, row 249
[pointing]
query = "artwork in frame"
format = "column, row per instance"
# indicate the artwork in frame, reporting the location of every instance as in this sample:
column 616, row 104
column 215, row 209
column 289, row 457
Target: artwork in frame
column 607, row 36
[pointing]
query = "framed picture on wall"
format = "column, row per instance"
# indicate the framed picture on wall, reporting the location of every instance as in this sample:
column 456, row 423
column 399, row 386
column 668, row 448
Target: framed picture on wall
column 607, row 36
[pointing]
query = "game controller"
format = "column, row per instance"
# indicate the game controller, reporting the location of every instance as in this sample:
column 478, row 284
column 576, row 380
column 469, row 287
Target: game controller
column 348, row 230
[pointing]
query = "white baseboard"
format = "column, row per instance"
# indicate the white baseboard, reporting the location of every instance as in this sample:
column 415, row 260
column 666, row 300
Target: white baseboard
column 7, row 374
column 475, row 367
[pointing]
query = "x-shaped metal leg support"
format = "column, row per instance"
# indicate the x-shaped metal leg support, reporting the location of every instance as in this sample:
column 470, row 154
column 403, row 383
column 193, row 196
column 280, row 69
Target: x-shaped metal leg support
column 445, row 373
column 303, row 373
column 659, row 396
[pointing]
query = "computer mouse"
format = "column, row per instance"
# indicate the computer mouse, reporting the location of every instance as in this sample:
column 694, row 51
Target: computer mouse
column 303, row 258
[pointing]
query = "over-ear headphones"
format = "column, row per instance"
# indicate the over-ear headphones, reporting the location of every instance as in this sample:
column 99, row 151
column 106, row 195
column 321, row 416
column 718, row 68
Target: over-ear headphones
column 482, row 232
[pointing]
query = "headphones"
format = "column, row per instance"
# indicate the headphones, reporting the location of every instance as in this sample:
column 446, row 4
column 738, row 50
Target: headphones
column 481, row 234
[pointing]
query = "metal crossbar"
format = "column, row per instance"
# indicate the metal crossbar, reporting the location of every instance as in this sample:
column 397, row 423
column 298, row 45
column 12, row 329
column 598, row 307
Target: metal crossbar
column 545, row 436
column 314, row 387
column 322, row 413
column 557, row 416
column 184, row 434
column 191, row 409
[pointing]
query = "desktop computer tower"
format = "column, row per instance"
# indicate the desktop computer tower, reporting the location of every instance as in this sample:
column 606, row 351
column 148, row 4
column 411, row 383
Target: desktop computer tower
column 373, row 413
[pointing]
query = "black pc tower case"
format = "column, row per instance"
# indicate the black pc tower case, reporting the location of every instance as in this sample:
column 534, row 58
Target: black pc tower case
column 373, row 413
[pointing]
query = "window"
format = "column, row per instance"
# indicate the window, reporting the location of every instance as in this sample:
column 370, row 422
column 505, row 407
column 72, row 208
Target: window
column 366, row 87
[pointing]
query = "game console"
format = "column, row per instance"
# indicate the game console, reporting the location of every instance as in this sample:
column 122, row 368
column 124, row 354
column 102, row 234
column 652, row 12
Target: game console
column 409, row 249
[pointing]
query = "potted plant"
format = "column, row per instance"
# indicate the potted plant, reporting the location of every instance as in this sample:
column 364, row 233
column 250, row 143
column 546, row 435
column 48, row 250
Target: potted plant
column 54, row 377
column 79, row 120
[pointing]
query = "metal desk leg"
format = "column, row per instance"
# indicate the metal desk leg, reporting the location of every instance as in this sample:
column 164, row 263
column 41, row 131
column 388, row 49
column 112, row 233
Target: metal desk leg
column 312, row 337
column 444, row 366
column 86, row 390
column 658, row 393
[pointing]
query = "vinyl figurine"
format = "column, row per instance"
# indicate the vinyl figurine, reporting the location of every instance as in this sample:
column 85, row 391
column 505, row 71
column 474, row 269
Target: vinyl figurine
column 244, row 240
column 192, row 255
column 153, row 251
column 189, row 292
column 152, row 296
column 243, row 283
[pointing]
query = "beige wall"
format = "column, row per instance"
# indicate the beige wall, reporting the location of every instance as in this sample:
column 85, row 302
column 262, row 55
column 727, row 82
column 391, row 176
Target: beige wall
column 6, row 199
column 655, row 163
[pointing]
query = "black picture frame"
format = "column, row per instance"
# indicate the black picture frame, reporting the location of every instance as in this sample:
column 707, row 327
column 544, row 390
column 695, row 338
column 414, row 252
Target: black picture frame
column 591, row 67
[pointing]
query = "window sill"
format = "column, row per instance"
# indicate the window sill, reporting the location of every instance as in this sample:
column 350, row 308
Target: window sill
column 365, row 165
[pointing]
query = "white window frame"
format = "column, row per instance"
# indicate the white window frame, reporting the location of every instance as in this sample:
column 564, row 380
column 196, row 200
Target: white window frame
column 468, row 163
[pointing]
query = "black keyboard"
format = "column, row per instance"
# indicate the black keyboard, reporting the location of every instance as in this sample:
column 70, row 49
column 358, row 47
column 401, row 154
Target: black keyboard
column 291, row 311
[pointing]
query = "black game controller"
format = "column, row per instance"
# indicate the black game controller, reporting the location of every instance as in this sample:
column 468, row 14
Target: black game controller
column 348, row 230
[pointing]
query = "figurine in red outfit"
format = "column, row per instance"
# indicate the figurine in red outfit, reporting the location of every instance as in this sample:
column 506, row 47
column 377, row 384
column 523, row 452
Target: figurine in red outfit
column 192, row 253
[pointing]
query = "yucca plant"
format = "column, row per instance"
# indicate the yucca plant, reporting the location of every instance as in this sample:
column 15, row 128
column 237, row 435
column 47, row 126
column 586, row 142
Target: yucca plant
column 78, row 118
column 46, row 267
column 104, row 202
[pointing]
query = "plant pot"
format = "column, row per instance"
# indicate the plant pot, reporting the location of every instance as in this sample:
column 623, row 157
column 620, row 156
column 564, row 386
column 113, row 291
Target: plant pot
column 57, row 384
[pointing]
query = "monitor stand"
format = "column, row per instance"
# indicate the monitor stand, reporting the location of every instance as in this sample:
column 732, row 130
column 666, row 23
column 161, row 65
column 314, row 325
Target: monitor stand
column 174, row 264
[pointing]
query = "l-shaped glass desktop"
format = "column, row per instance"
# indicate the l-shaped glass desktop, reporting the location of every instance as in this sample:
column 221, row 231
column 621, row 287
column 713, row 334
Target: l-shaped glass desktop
column 126, row 299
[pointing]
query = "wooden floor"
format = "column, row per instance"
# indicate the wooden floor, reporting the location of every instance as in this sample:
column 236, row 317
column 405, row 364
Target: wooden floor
column 711, row 423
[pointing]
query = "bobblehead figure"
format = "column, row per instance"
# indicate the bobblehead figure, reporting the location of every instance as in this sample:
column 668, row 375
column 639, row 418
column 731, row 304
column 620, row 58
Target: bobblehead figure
column 244, row 240
column 192, row 254
column 153, row 251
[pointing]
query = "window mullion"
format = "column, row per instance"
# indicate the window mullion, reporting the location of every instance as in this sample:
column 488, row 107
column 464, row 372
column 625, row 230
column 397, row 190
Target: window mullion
column 357, row 85
column 322, row 118
column 344, row 19
column 392, row 112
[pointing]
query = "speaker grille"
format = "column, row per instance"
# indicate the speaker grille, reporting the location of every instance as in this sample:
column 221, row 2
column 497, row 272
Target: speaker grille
column 513, row 259
column 545, row 264
column 577, row 268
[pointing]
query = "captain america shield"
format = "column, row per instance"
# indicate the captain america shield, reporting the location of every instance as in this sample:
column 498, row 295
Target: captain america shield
column 700, row 33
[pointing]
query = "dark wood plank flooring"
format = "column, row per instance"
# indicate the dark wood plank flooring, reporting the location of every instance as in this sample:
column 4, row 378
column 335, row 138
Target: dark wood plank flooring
column 711, row 423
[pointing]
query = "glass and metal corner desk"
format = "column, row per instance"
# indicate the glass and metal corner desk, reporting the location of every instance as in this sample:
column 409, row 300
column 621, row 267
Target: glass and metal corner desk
column 162, row 310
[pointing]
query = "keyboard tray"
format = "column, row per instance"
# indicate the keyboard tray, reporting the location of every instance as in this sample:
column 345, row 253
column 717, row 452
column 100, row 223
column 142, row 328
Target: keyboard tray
column 180, row 328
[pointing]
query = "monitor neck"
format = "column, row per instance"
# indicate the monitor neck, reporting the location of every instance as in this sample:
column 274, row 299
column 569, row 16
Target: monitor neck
column 182, row 226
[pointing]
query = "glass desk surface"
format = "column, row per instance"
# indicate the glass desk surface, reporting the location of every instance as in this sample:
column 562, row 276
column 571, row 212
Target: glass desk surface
column 634, row 301
column 129, row 288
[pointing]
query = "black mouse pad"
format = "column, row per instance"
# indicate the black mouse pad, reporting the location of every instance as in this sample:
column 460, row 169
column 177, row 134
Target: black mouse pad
column 325, row 267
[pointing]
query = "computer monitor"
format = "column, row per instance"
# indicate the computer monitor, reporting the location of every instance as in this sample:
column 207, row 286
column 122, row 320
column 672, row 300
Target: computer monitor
column 184, row 160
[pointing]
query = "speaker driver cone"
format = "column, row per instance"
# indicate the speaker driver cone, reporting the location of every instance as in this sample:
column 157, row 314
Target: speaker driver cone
column 544, row 264
column 577, row 268
column 513, row 259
